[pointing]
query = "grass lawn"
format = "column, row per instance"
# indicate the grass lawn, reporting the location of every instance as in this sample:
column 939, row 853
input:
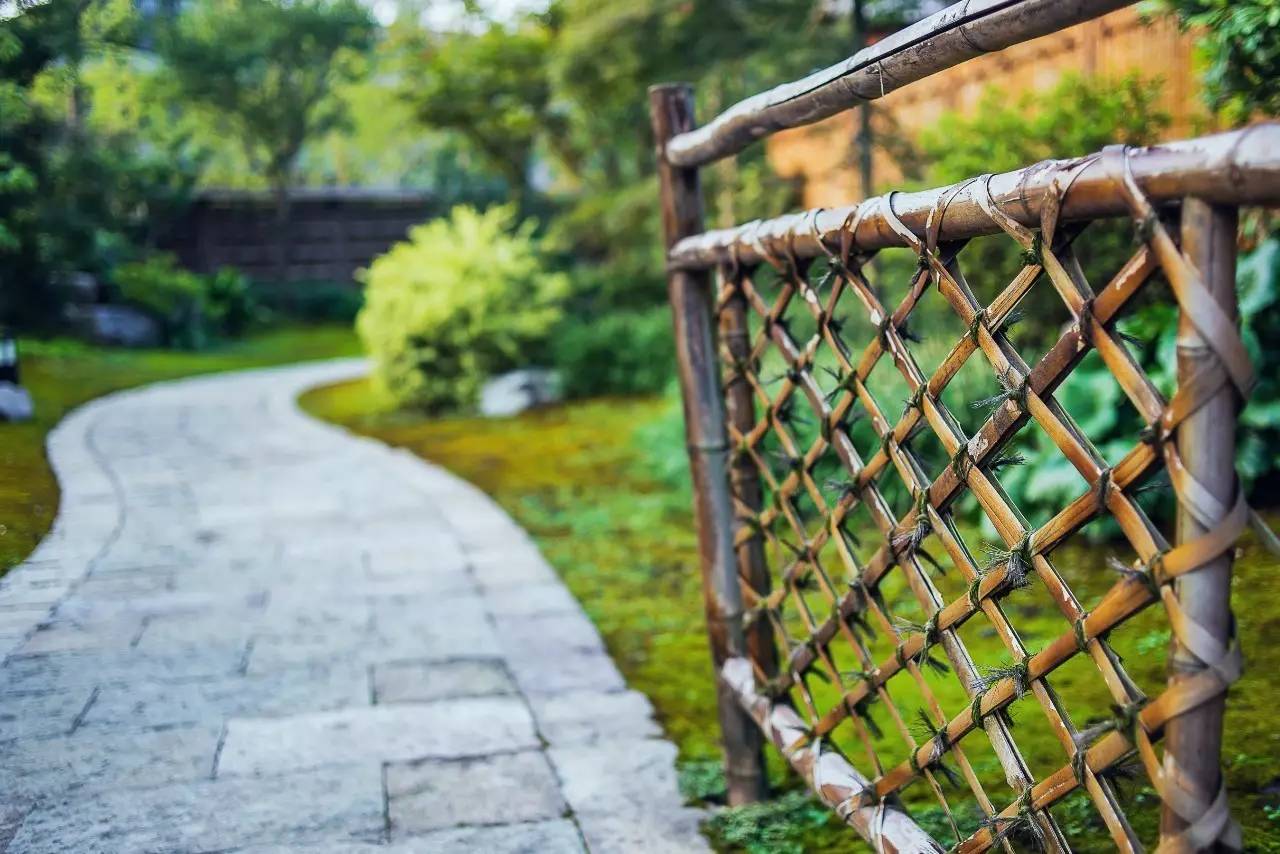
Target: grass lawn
column 585, row 481
column 63, row 374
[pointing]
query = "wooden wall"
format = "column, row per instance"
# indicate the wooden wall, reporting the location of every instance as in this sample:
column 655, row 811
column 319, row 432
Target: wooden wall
column 1113, row 45
column 331, row 232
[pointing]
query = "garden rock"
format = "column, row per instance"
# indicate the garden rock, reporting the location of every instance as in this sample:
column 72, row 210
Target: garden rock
column 82, row 287
column 518, row 391
column 115, row 325
column 15, row 403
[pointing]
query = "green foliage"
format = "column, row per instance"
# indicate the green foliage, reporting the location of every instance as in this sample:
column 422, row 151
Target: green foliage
column 1240, row 41
column 312, row 301
column 1078, row 116
column 779, row 826
column 173, row 295
column 230, row 305
column 192, row 309
column 463, row 298
column 1258, row 288
column 701, row 780
column 627, row 352
column 71, row 198
column 265, row 70
column 492, row 86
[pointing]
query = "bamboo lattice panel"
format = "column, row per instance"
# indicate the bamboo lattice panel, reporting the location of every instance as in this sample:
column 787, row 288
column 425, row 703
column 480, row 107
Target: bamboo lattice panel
column 854, row 443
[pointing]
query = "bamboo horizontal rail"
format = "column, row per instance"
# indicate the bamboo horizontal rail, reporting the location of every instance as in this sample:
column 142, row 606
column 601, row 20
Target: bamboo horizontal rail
column 958, row 33
column 1237, row 167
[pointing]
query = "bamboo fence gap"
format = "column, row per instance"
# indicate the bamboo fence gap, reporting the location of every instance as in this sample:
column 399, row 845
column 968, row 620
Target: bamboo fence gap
column 824, row 606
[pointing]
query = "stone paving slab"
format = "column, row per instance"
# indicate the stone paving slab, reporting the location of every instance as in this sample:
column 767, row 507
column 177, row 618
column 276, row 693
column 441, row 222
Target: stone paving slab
column 248, row 631
column 276, row 694
column 560, row 836
column 447, row 728
column 93, row 758
column 424, row 681
column 511, row 787
column 210, row 815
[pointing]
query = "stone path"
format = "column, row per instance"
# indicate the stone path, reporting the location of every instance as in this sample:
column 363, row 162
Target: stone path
column 251, row 632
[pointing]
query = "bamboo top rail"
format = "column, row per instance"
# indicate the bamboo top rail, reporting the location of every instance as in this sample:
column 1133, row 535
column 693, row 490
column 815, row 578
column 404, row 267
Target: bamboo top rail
column 958, row 33
column 1238, row 167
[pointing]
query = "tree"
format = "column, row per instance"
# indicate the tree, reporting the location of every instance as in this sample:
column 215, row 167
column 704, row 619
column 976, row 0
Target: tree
column 71, row 198
column 1240, row 39
column 265, row 70
column 492, row 87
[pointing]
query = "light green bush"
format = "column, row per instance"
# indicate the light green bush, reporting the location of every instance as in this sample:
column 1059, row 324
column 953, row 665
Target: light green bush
column 463, row 298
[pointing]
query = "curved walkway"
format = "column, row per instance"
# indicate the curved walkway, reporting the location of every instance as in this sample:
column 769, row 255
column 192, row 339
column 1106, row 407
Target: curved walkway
column 250, row 631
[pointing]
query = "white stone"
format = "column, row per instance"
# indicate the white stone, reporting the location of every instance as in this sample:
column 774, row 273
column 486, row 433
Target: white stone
column 15, row 403
column 517, row 391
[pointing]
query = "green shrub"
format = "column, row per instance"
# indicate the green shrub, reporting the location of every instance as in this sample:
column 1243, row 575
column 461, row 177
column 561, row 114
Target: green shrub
column 230, row 306
column 174, row 296
column 311, row 301
column 628, row 352
column 1239, row 42
column 463, row 298
column 781, row 826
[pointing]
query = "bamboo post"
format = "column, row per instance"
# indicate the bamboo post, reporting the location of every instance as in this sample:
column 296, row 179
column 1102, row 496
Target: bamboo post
column 745, row 478
column 693, row 310
column 1206, row 444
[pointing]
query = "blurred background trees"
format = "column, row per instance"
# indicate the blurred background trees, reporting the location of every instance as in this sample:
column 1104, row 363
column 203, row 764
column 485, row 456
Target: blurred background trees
column 115, row 112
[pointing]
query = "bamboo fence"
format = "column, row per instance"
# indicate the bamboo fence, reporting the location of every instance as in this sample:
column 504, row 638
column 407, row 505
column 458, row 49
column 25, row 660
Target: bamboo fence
column 795, row 598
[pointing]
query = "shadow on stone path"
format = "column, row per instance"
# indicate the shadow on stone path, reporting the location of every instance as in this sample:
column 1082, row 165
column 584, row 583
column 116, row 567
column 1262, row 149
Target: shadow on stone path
column 250, row 631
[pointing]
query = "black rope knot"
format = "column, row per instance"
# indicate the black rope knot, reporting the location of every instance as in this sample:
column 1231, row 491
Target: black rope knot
column 1025, row 805
column 1103, row 489
column 961, row 464
column 1150, row 575
column 1127, row 720
column 1021, row 676
column 975, row 710
column 1014, row 386
column 1145, row 228
column 1082, row 637
column 906, row 542
column 882, row 331
column 1034, row 253
column 916, row 399
column 1084, row 323
column 931, row 632
column 975, row 595
column 979, row 318
column 1154, row 435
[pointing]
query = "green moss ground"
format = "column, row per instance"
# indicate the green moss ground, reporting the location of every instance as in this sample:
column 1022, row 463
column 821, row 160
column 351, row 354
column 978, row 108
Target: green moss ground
column 577, row 478
column 63, row 374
